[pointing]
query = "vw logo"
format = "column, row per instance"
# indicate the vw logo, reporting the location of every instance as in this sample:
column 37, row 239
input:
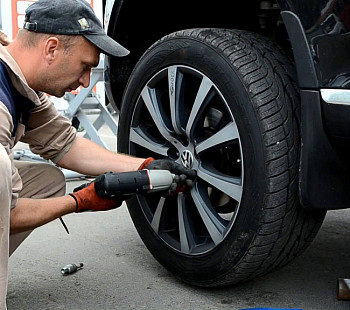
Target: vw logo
column 187, row 159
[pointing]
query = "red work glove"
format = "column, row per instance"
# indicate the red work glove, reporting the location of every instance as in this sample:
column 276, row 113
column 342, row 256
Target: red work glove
column 87, row 199
column 183, row 176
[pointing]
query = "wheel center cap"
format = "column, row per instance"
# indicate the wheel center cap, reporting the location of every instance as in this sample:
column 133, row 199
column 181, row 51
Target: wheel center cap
column 187, row 159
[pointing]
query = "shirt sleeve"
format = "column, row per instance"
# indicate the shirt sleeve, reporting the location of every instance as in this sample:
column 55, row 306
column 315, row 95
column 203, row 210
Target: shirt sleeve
column 6, row 127
column 48, row 133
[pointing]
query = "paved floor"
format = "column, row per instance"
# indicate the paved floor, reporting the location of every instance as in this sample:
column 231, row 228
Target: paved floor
column 120, row 273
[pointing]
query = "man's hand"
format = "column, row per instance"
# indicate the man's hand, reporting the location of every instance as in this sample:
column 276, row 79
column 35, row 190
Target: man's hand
column 183, row 176
column 87, row 199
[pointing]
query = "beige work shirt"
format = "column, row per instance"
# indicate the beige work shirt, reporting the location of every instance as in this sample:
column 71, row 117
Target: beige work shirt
column 47, row 132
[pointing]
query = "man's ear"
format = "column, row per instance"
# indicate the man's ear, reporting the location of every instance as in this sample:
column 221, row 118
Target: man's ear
column 51, row 49
column 4, row 39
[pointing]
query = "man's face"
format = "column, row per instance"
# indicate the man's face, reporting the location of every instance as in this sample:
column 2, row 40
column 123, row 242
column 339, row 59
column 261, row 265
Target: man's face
column 71, row 69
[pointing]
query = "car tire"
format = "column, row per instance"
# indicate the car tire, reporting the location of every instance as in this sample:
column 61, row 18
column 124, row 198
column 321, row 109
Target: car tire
column 224, row 102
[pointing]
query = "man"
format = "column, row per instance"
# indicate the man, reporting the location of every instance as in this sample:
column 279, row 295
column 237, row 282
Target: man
column 54, row 53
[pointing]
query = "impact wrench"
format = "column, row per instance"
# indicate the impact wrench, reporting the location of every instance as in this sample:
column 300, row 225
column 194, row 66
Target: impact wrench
column 123, row 184
column 110, row 185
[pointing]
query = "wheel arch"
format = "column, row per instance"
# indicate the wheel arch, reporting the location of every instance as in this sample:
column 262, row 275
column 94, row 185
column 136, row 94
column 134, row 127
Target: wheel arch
column 137, row 25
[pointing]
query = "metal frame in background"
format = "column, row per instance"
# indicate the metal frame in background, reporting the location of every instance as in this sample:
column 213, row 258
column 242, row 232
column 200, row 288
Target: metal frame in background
column 86, row 102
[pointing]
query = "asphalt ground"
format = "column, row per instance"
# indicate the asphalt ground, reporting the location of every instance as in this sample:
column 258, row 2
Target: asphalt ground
column 120, row 273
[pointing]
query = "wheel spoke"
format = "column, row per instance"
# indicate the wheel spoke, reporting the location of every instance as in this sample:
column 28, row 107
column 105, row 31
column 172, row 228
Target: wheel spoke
column 231, row 186
column 175, row 79
column 150, row 99
column 184, row 227
column 139, row 137
column 211, row 219
column 228, row 133
column 202, row 93
column 157, row 215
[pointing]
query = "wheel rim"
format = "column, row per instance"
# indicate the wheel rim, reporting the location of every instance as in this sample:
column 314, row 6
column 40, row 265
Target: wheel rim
column 180, row 114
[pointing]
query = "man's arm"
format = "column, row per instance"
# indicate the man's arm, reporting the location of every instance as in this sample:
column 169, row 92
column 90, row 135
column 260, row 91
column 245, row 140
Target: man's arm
column 31, row 213
column 89, row 158
column 85, row 157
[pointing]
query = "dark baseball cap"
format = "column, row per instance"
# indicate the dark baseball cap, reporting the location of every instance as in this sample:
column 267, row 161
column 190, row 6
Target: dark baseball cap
column 71, row 17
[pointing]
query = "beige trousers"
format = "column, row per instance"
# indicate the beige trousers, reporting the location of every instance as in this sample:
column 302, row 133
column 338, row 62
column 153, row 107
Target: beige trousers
column 40, row 180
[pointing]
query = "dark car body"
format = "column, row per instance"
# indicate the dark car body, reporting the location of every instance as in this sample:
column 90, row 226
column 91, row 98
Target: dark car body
column 319, row 35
